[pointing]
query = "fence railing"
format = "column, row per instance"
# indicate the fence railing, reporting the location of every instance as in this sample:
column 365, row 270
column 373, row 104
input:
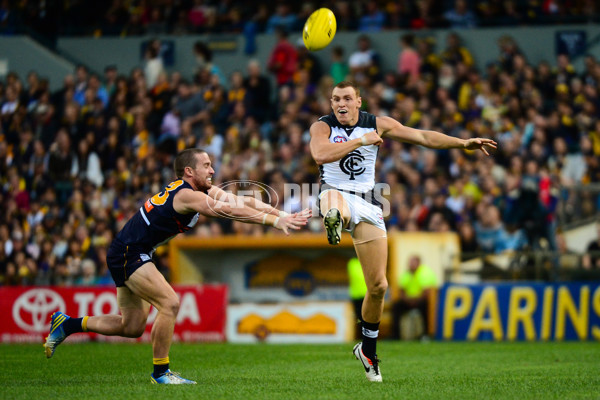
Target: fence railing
column 577, row 203
column 538, row 265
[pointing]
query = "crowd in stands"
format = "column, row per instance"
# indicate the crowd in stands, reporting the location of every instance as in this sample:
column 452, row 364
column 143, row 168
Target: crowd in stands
column 76, row 164
column 156, row 17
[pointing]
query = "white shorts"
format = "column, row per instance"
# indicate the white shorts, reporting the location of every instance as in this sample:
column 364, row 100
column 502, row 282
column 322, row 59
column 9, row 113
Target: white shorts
column 360, row 211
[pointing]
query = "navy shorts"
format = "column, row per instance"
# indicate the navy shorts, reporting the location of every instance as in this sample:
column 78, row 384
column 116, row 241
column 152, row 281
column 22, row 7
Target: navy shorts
column 123, row 260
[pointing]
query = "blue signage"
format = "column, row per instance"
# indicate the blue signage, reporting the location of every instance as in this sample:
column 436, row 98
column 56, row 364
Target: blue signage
column 571, row 43
column 299, row 283
column 528, row 311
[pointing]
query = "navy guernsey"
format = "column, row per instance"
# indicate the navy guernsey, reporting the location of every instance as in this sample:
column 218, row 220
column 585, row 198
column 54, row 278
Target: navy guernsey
column 157, row 221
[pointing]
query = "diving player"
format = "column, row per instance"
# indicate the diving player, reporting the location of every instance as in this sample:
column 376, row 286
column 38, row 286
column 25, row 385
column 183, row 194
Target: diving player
column 139, row 283
column 344, row 144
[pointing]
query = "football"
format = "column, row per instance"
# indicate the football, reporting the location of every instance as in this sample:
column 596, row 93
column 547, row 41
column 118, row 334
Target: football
column 319, row 29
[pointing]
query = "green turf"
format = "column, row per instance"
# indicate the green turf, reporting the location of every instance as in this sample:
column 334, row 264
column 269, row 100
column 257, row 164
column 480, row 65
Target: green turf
column 225, row 371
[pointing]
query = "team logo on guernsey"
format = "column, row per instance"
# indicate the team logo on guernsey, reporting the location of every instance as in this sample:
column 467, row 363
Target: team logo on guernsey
column 339, row 139
column 351, row 164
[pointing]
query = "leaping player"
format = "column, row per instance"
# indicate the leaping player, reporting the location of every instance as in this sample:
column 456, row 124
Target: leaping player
column 344, row 144
column 129, row 258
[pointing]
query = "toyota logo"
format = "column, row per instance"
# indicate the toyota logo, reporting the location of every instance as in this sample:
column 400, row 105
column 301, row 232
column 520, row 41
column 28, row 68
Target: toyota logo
column 32, row 310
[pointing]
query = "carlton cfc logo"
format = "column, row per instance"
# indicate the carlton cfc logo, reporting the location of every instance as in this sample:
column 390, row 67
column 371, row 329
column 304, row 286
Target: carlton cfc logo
column 351, row 164
column 339, row 139
column 32, row 310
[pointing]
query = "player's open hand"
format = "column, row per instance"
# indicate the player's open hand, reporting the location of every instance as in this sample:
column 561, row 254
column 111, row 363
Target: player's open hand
column 371, row 138
column 481, row 144
column 293, row 221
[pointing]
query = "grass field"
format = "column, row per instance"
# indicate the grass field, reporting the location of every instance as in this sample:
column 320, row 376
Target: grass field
column 226, row 371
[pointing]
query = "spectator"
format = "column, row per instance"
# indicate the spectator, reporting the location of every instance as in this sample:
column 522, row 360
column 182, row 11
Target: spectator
column 191, row 108
column 424, row 17
column 81, row 82
column 511, row 15
column 134, row 27
column 357, row 289
column 364, row 62
column 508, row 51
column 283, row 18
column 409, row 62
column 283, row 61
column 9, row 20
column 87, row 164
column 204, row 60
column 308, row 62
column 591, row 259
column 565, row 72
column 98, row 89
column 373, row 19
column 110, row 77
column 61, row 164
column 212, row 142
column 460, row 17
column 490, row 233
column 415, row 286
column 258, row 92
column 10, row 105
column 198, row 15
column 157, row 25
column 469, row 248
column 339, row 67
column 181, row 26
column 345, row 16
column 88, row 273
column 154, row 66
column 552, row 7
column 589, row 76
column 35, row 88
column 455, row 52
column 439, row 207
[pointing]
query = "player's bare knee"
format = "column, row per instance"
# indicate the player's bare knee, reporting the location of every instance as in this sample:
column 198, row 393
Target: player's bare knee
column 378, row 289
column 170, row 306
column 134, row 331
column 133, row 327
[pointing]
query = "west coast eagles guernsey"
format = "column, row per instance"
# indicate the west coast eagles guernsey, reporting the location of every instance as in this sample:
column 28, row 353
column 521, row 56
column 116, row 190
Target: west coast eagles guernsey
column 157, row 221
column 356, row 170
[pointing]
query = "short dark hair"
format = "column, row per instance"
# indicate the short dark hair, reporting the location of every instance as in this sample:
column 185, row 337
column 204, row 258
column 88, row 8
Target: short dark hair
column 202, row 48
column 345, row 84
column 408, row 39
column 281, row 31
column 186, row 158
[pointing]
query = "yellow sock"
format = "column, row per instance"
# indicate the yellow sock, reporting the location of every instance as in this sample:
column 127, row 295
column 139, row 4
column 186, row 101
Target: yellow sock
column 160, row 361
column 84, row 323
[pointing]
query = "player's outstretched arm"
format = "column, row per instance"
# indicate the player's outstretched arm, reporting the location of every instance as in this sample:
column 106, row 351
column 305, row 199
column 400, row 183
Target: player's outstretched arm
column 323, row 151
column 188, row 201
column 219, row 194
column 390, row 128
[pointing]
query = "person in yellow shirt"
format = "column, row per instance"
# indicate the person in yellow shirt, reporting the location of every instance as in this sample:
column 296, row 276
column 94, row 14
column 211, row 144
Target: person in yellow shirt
column 357, row 288
column 415, row 284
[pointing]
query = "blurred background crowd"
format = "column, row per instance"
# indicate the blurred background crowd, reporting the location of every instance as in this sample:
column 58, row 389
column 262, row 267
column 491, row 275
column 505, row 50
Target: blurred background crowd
column 75, row 164
column 155, row 17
